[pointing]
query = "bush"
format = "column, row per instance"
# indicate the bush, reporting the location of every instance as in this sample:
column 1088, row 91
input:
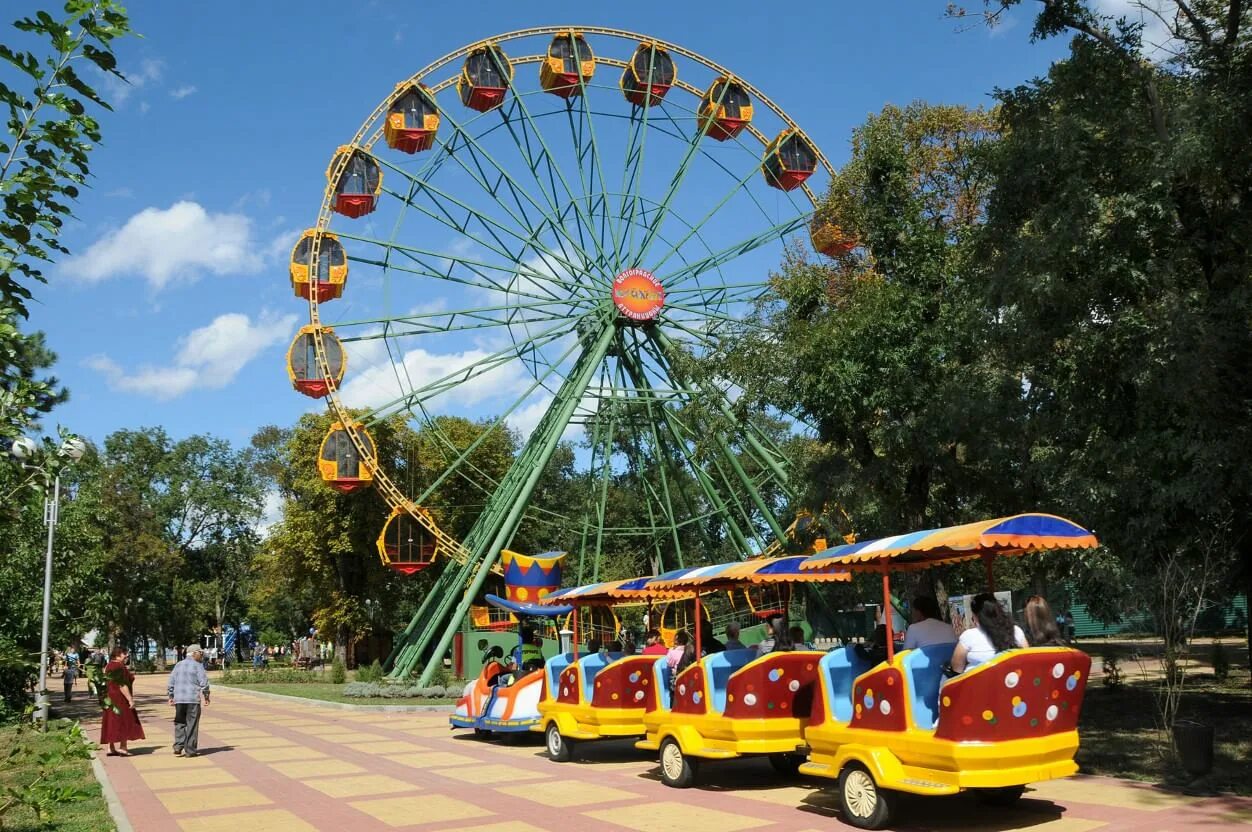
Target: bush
column 1113, row 678
column 17, row 671
column 32, row 764
column 338, row 673
column 393, row 690
column 1221, row 662
column 370, row 673
column 270, row 676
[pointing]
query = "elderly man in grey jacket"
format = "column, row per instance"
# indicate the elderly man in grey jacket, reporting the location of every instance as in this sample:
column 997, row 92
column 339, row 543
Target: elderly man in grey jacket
column 188, row 690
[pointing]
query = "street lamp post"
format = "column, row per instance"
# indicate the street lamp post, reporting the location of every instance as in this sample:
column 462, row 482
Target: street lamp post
column 72, row 449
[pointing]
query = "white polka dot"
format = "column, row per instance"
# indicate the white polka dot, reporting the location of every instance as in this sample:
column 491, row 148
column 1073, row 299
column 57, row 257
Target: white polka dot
column 749, row 699
column 1011, row 680
column 885, row 707
column 682, row 690
column 1058, row 670
column 794, row 686
column 565, row 691
column 1051, row 712
column 638, row 695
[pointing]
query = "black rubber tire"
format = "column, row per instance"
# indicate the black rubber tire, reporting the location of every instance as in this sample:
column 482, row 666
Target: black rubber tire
column 678, row 771
column 1003, row 796
column 788, row 765
column 861, row 802
column 560, row 750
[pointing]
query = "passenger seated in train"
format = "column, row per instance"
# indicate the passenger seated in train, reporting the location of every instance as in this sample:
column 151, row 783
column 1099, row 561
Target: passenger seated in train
column 708, row 643
column 995, row 633
column 926, row 626
column 797, row 639
column 1041, row 624
column 874, row 650
column 732, row 637
column 653, row 646
column 778, row 639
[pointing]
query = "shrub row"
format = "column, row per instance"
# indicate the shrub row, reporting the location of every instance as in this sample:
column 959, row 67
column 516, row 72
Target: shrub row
column 278, row 675
column 381, row 690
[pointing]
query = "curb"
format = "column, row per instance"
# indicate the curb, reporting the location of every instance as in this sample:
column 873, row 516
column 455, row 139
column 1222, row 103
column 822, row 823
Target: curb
column 341, row 706
column 116, row 810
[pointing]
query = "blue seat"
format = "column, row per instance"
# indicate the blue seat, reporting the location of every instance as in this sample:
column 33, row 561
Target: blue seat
column 554, row 667
column 718, row 668
column 663, row 678
column 840, row 667
column 590, row 665
column 923, row 668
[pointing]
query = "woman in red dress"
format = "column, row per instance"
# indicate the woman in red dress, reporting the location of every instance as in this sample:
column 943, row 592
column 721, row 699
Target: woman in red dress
column 120, row 724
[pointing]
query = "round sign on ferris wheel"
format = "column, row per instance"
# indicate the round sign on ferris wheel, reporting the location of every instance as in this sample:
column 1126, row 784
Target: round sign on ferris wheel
column 638, row 295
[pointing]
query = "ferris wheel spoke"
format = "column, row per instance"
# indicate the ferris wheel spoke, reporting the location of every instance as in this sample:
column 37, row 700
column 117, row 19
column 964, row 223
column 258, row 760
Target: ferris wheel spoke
column 518, row 193
column 689, row 154
column 725, row 255
column 492, row 226
column 584, row 138
column 468, row 372
column 554, row 173
column 457, row 320
column 494, row 426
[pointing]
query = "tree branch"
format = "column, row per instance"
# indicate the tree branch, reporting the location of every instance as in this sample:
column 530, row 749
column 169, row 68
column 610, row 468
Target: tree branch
column 1206, row 37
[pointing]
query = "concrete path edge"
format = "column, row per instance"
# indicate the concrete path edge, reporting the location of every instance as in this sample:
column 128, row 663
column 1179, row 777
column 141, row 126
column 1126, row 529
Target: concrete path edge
column 341, row 706
column 116, row 810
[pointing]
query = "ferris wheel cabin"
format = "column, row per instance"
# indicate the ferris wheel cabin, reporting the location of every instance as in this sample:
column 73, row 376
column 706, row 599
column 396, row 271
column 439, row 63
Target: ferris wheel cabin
column 303, row 368
column 358, row 186
column 332, row 267
column 339, row 462
column 412, row 119
column 569, row 65
column 648, row 76
column 789, row 160
column 830, row 239
column 404, row 545
column 725, row 109
column 485, row 78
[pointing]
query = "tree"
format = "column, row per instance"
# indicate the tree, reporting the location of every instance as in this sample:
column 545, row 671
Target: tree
column 44, row 157
column 176, row 521
column 1116, row 248
column 883, row 351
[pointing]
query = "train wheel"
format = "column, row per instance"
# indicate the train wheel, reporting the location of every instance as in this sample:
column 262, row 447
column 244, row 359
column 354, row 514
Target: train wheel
column 1004, row 796
column 677, row 769
column 788, row 765
column 862, row 802
column 560, row 749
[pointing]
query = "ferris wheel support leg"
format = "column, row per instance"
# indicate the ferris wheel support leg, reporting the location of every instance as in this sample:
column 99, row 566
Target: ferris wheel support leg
column 402, row 660
column 514, row 494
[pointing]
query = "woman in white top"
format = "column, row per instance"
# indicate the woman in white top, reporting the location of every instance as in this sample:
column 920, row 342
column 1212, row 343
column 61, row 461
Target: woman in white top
column 994, row 634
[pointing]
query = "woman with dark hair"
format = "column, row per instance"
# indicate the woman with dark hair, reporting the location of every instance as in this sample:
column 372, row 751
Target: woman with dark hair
column 120, row 723
column 994, row 634
column 779, row 638
column 1041, row 629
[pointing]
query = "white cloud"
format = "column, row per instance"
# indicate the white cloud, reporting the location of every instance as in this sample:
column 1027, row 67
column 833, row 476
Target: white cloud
column 1158, row 43
column 182, row 92
column 373, row 379
column 171, row 243
column 209, row 357
column 116, row 91
column 271, row 512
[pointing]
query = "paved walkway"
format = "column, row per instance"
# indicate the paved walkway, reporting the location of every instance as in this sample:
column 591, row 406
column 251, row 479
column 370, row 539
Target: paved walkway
column 279, row 767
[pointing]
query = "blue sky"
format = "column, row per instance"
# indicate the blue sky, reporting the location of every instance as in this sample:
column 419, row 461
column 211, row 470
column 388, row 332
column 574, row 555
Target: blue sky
column 176, row 309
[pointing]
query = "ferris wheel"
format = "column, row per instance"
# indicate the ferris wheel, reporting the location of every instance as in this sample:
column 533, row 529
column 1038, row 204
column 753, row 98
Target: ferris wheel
column 540, row 229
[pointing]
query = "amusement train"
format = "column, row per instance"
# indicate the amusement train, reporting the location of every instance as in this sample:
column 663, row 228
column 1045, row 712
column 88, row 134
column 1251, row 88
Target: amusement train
column 874, row 727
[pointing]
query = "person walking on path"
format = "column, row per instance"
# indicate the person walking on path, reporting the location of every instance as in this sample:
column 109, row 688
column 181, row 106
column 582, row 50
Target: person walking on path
column 188, row 690
column 71, row 671
column 120, row 722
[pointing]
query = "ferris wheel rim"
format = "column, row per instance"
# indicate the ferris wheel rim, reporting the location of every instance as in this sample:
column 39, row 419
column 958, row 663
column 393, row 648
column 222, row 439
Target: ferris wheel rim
column 364, row 141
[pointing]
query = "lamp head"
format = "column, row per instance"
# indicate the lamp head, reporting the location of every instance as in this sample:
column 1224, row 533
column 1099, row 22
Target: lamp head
column 24, row 447
column 73, row 449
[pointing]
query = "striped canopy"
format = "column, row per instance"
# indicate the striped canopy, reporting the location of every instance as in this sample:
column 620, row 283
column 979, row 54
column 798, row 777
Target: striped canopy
column 739, row 573
column 609, row 592
column 1014, row 535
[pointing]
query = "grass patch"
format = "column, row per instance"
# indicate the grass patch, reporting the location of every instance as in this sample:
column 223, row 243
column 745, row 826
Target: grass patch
column 1119, row 736
column 86, row 813
column 327, row 692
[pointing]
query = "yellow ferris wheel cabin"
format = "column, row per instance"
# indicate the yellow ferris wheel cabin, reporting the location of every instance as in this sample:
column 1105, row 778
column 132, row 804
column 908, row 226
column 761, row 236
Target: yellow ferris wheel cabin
column 332, row 266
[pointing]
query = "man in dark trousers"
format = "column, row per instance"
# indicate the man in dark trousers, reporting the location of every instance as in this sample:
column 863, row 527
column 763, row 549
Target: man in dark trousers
column 188, row 690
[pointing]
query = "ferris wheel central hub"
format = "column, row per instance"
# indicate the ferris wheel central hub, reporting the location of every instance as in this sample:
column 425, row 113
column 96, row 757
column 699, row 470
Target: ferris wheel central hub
column 638, row 295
